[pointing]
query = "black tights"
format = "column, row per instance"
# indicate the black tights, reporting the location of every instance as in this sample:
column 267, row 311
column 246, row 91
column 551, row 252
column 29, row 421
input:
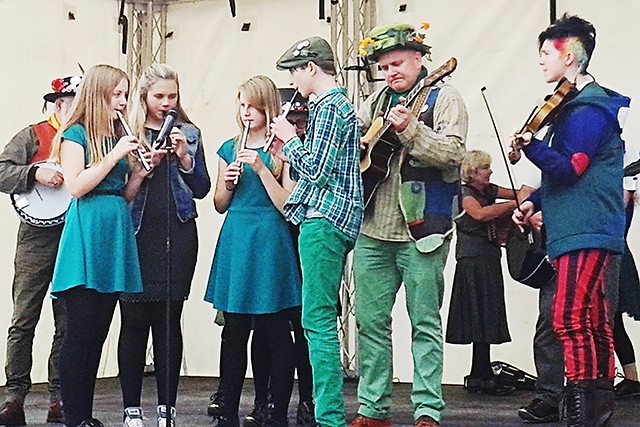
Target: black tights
column 260, row 361
column 89, row 315
column 233, row 360
column 480, row 361
column 137, row 319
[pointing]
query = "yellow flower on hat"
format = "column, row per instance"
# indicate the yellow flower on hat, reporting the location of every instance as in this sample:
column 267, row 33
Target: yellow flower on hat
column 425, row 26
column 364, row 45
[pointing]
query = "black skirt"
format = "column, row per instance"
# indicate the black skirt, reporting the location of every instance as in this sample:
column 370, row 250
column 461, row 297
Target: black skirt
column 477, row 311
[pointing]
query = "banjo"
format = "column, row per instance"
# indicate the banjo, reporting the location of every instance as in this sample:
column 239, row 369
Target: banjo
column 42, row 206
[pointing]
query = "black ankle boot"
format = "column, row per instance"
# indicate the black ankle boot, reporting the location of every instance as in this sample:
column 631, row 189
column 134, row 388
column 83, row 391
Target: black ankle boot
column 601, row 403
column 577, row 403
column 589, row 403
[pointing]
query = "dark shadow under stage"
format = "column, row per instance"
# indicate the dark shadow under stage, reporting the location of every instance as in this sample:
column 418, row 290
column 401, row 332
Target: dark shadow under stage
column 463, row 409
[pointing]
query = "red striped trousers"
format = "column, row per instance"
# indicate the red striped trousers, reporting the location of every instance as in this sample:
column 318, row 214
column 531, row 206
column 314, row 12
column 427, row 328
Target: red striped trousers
column 581, row 314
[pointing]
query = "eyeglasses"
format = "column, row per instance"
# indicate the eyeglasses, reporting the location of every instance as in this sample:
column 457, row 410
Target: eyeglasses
column 299, row 123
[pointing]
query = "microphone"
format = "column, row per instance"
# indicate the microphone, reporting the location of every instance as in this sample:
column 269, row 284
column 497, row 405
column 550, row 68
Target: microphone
column 167, row 124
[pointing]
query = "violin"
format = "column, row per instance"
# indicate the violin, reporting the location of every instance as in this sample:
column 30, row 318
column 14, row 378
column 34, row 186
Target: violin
column 565, row 91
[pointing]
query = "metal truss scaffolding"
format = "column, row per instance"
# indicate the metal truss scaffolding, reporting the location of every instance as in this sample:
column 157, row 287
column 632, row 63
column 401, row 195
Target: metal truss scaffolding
column 351, row 20
column 147, row 35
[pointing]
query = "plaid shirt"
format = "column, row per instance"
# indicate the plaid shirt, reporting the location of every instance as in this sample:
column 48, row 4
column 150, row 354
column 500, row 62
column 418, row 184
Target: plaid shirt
column 328, row 164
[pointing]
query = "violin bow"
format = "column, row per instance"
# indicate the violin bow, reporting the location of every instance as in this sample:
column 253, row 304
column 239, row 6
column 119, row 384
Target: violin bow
column 504, row 156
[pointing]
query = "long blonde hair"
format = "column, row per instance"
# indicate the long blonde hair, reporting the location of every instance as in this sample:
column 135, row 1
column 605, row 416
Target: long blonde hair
column 138, row 100
column 261, row 92
column 91, row 108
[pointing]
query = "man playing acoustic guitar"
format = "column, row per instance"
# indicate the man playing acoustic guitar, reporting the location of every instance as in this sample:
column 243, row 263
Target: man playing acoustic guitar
column 408, row 221
column 36, row 250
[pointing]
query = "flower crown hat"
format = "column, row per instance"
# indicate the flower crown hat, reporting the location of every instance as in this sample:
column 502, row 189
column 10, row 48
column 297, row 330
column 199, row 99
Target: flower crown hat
column 299, row 103
column 67, row 86
column 390, row 37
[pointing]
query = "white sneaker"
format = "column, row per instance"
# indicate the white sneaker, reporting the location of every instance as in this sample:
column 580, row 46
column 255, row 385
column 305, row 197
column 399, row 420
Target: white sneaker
column 162, row 416
column 133, row 417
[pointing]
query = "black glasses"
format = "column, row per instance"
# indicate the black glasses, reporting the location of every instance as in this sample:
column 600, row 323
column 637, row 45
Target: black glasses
column 299, row 123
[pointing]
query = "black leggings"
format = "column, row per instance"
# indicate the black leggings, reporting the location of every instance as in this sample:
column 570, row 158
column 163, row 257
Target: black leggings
column 233, row 360
column 89, row 315
column 260, row 361
column 137, row 319
column 622, row 343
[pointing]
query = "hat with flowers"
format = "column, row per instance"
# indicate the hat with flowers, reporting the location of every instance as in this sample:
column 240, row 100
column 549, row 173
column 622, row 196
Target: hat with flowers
column 298, row 103
column 67, row 86
column 390, row 37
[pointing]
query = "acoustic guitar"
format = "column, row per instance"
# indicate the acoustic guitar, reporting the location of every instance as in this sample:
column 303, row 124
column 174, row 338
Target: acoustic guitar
column 382, row 143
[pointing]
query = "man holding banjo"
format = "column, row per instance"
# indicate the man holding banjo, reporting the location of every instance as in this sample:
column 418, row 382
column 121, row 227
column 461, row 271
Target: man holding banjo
column 22, row 169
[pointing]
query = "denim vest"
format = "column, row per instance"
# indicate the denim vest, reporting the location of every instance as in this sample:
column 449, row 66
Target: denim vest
column 185, row 185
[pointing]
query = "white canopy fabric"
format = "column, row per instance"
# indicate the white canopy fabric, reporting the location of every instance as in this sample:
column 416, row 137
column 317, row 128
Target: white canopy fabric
column 493, row 40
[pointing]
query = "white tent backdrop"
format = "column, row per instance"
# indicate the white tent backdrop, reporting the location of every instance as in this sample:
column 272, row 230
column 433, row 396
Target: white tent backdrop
column 493, row 40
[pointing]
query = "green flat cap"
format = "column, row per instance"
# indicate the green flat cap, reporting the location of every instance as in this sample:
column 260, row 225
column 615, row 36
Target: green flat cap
column 390, row 37
column 311, row 49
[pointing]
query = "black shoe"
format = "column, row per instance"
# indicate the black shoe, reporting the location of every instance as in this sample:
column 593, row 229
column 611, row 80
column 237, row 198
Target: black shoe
column 539, row 412
column 216, row 406
column 258, row 416
column 226, row 422
column 55, row 414
column 626, row 388
column 12, row 414
column 487, row 386
column 93, row 422
column 305, row 415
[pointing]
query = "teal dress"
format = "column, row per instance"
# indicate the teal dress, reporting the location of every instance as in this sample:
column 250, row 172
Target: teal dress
column 255, row 267
column 98, row 248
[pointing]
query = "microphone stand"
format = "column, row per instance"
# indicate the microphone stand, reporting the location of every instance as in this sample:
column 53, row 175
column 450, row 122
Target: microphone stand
column 168, row 195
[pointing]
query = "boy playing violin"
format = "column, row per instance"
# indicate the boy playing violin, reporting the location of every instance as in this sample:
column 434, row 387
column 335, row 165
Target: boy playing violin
column 580, row 153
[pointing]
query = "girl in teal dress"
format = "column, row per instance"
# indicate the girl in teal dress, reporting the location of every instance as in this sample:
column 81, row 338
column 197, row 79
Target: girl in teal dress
column 255, row 279
column 97, row 257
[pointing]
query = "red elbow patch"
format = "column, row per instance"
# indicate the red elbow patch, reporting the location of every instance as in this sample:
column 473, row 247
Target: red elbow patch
column 580, row 162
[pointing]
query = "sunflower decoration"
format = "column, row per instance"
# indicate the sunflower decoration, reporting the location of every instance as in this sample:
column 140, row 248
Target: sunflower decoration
column 364, row 47
column 394, row 36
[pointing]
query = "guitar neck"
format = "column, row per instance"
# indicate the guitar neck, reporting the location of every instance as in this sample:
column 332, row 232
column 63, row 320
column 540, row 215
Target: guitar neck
column 414, row 106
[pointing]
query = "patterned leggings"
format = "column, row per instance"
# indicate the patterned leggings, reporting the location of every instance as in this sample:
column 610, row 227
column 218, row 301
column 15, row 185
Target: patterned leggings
column 581, row 314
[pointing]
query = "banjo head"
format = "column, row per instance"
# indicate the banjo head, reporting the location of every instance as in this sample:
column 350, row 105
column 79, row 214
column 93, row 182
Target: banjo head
column 42, row 206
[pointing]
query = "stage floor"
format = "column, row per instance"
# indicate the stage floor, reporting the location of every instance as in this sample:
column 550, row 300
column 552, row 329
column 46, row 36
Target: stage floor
column 463, row 409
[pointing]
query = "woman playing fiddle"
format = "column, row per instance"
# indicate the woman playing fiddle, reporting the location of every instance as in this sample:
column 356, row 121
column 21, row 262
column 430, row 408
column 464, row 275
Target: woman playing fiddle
column 580, row 156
